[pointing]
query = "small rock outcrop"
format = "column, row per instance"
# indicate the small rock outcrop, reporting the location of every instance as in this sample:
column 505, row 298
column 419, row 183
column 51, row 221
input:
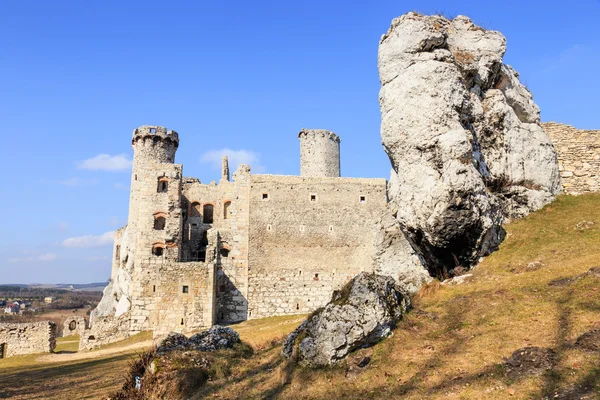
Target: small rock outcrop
column 359, row 315
column 213, row 339
column 463, row 136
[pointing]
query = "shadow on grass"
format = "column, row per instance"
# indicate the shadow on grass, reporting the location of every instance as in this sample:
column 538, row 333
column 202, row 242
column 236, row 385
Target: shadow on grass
column 50, row 380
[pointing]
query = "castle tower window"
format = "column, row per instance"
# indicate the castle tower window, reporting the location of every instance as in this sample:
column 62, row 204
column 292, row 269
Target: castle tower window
column 265, row 196
column 208, row 214
column 163, row 185
column 226, row 209
column 152, row 130
column 158, row 250
column 186, row 289
column 72, row 325
column 363, row 199
column 224, row 253
column 181, row 321
column 196, row 210
column 313, row 197
column 153, row 288
column 159, row 222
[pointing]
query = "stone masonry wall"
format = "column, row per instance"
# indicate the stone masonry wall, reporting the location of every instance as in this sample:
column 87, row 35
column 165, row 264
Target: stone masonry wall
column 75, row 325
column 578, row 157
column 319, row 153
column 308, row 236
column 27, row 338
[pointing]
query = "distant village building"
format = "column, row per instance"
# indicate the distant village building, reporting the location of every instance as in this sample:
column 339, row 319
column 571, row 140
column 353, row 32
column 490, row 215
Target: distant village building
column 48, row 300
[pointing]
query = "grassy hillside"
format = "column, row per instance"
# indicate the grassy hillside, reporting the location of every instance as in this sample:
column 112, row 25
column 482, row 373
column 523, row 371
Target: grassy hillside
column 451, row 346
column 454, row 343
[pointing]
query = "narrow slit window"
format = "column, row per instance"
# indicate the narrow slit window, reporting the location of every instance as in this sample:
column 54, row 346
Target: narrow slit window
column 186, row 289
column 163, row 185
column 226, row 209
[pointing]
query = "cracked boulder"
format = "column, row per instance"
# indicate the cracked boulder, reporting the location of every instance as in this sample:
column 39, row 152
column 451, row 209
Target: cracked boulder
column 463, row 136
column 359, row 315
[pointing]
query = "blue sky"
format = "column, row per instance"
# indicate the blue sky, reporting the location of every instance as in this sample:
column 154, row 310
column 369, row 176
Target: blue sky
column 77, row 77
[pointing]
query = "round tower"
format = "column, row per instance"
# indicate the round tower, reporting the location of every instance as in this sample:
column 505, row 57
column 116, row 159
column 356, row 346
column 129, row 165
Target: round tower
column 154, row 144
column 152, row 186
column 319, row 153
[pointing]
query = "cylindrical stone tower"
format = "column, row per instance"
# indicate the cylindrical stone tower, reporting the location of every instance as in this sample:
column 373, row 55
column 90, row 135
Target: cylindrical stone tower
column 319, row 153
column 152, row 186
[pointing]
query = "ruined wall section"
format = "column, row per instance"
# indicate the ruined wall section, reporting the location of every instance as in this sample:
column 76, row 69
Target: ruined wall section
column 227, row 235
column 178, row 296
column 578, row 157
column 308, row 237
column 319, row 153
column 27, row 338
column 75, row 325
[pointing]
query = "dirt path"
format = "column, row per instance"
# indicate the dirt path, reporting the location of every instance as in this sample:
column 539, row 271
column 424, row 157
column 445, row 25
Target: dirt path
column 66, row 357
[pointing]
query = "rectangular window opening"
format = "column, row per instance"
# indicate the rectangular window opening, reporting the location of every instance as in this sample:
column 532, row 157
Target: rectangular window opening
column 265, row 196
column 363, row 199
column 186, row 289
column 313, row 197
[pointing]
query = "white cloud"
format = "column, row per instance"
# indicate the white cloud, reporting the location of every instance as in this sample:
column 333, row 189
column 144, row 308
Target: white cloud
column 46, row 257
column 106, row 162
column 77, row 182
column 89, row 240
column 235, row 157
column 97, row 258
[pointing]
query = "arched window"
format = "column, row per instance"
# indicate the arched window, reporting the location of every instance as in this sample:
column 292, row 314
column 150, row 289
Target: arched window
column 196, row 210
column 224, row 252
column 163, row 185
column 207, row 213
column 226, row 209
column 72, row 325
column 158, row 250
column 159, row 222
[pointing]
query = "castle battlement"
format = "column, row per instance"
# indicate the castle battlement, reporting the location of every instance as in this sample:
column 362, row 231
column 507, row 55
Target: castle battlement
column 323, row 133
column 156, row 133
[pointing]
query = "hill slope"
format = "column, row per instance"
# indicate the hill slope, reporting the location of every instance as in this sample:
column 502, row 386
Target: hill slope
column 454, row 343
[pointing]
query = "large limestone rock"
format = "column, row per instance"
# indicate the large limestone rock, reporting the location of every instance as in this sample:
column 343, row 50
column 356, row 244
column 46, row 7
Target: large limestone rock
column 463, row 136
column 359, row 315
column 395, row 257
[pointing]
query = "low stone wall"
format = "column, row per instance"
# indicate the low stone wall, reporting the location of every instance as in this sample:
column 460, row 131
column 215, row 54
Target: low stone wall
column 105, row 330
column 74, row 325
column 27, row 338
column 578, row 157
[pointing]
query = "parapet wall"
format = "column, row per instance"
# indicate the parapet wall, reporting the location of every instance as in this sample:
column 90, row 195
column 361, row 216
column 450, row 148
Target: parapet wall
column 27, row 338
column 578, row 157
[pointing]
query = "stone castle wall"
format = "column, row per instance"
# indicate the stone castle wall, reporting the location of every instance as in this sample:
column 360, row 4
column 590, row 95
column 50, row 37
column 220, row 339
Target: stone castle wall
column 308, row 236
column 74, row 325
column 27, row 338
column 578, row 157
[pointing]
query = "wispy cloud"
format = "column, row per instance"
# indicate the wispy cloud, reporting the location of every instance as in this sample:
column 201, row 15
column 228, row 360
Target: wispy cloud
column 97, row 258
column 106, row 162
column 235, row 157
column 89, row 240
column 72, row 182
column 46, row 257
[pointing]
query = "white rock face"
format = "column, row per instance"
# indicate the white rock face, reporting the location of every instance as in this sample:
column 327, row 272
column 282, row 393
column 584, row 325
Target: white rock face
column 115, row 298
column 463, row 136
column 396, row 258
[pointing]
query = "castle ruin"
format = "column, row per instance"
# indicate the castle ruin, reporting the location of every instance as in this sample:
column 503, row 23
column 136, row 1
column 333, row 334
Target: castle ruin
column 254, row 246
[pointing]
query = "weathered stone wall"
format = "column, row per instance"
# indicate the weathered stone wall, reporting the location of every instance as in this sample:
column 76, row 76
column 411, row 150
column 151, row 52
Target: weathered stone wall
column 27, row 338
column 74, row 325
column 105, row 330
column 578, row 157
column 308, row 236
column 319, row 153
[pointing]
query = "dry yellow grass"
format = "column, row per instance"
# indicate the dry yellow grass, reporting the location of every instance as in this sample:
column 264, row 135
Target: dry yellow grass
column 452, row 346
